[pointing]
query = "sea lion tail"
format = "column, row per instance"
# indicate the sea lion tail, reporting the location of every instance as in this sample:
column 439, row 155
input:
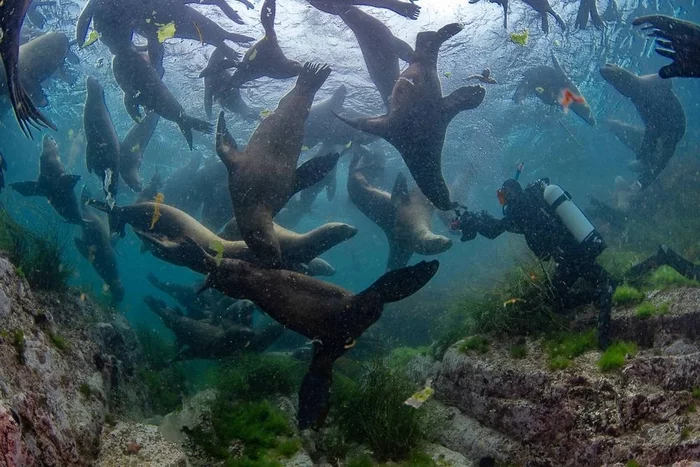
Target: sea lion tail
column 401, row 283
column 312, row 76
column 187, row 124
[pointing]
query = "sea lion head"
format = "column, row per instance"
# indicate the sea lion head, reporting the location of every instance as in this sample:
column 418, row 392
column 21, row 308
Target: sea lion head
column 432, row 244
column 621, row 79
column 93, row 86
column 428, row 42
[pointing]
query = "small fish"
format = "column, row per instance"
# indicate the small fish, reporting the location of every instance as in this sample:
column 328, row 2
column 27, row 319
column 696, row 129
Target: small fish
column 567, row 98
column 92, row 38
column 421, row 396
column 512, row 301
column 539, row 89
column 520, row 38
column 448, row 74
column 217, row 246
column 158, row 200
column 165, row 31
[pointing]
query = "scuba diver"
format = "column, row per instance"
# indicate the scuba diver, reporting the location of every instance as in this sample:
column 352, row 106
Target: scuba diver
column 554, row 228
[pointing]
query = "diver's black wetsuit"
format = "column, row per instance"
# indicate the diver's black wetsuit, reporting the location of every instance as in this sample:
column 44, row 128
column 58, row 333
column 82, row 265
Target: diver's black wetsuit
column 526, row 212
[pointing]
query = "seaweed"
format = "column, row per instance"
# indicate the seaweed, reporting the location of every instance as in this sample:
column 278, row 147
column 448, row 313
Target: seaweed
column 518, row 351
column 85, row 390
column 157, row 352
column 59, row 342
column 627, row 295
column 666, row 277
column 399, row 357
column 615, row 356
column 20, row 344
column 478, row 344
column 564, row 347
column 372, row 412
column 253, row 377
column 36, row 257
column 645, row 310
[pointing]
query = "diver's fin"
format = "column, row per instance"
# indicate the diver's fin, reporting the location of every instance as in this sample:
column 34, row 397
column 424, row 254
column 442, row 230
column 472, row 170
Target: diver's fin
column 401, row 283
column 312, row 171
column 399, row 195
column 226, row 146
column 28, row 188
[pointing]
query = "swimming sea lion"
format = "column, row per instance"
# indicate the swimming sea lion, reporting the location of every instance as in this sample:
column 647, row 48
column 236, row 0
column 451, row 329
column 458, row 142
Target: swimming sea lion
column 675, row 39
column 660, row 110
column 330, row 316
column 320, row 267
column 143, row 87
column 264, row 175
column 404, row 217
column 406, row 9
column 11, row 18
column 197, row 305
column 547, row 83
column 543, row 8
column 503, row 4
column 132, row 148
column 419, row 115
column 54, row 184
column 217, row 86
column 631, row 136
column 102, row 148
column 485, row 77
column 199, row 339
column 586, row 9
column 265, row 58
column 172, row 224
column 380, row 48
column 96, row 247
column 38, row 59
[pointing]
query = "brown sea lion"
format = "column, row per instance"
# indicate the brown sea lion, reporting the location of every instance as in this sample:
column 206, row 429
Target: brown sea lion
column 143, row 87
column 404, row 216
column 380, row 48
column 95, row 246
column 660, row 110
column 54, row 184
column 543, row 8
column 406, row 9
column 102, row 149
column 419, row 115
column 12, row 15
column 264, row 176
column 330, row 316
column 547, row 83
column 265, row 58
column 217, row 86
column 132, row 148
column 172, row 224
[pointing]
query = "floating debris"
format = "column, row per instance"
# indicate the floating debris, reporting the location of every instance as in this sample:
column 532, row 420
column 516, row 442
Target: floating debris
column 520, row 38
column 419, row 398
column 160, row 197
column 166, row 31
column 218, row 247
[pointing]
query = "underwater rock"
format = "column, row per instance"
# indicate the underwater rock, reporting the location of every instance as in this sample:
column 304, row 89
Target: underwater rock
column 580, row 416
column 57, row 382
column 194, row 414
column 135, row 444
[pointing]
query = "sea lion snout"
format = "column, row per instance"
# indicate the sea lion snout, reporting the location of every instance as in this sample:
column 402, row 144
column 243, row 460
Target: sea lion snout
column 609, row 71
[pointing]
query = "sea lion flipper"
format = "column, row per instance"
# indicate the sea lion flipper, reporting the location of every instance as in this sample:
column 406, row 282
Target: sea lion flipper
column 132, row 107
column 402, row 49
column 187, row 124
column 36, row 93
column 267, row 17
column 376, row 125
column 545, row 23
column 401, row 283
column 28, row 188
column 314, row 393
column 464, row 98
column 582, row 15
column 226, row 146
column 83, row 23
column 69, row 181
column 314, row 170
column 399, row 195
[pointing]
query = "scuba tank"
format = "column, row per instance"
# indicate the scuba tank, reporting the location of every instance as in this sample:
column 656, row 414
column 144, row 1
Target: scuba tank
column 575, row 221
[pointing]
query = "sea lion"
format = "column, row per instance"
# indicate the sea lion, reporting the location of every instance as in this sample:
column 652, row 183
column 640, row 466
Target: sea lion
column 151, row 190
column 265, row 58
column 660, row 110
column 406, row 9
column 322, row 127
column 547, row 83
column 404, row 217
column 301, row 247
column 330, row 316
column 320, row 267
column 3, row 169
column 95, row 246
column 675, row 39
column 543, row 8
column 54, row 184
column 132, row 148
column 39, row 59
column 419, row 115
column 586, row 9
column 172, row 224
column 197, row 339
column 102, row 148
column 380, row 48
column 631, row 136
column 485, row 77
column 179, row 189
column 264, row 175
column 11, row 18
column 503, row 4
column 217, row 86
column 198, row 305
column 143, row 87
